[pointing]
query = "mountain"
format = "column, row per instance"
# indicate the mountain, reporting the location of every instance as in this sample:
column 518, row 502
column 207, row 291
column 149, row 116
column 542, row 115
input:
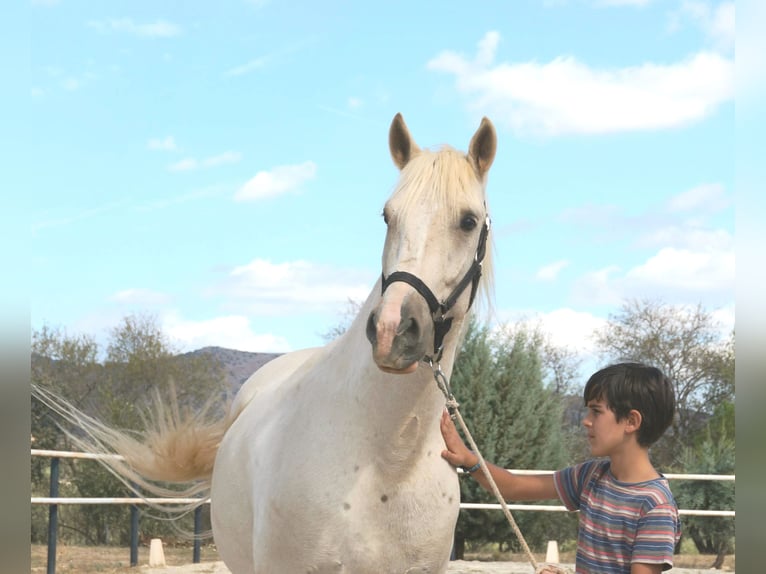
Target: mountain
column 238, row 365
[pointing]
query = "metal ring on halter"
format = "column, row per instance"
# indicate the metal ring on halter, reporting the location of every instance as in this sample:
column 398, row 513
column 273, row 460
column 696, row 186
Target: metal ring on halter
column 443, row 383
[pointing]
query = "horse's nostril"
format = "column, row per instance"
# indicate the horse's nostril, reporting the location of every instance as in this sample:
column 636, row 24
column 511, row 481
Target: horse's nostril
column 409, row 328
column 371, row 331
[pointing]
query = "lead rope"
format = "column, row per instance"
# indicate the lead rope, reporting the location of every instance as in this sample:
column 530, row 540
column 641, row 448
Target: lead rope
column 452, row 407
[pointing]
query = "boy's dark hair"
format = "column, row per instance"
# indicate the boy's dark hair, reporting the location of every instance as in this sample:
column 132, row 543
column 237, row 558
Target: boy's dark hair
column 628, row 386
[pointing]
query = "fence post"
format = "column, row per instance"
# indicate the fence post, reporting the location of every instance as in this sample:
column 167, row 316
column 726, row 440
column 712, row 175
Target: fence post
column 53, row 516
column 197, row 528
column 133, row 535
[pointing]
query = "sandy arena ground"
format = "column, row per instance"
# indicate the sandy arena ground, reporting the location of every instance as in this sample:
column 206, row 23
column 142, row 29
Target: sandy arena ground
column 456, row 567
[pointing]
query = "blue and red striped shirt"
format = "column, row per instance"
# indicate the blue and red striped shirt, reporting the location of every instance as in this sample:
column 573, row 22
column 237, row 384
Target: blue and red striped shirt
column 620, row 522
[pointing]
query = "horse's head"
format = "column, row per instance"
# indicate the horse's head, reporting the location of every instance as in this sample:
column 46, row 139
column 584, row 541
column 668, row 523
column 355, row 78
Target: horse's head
column 438, row 228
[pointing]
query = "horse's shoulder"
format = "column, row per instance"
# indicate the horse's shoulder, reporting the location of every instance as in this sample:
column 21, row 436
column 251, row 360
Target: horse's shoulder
column 273, row 373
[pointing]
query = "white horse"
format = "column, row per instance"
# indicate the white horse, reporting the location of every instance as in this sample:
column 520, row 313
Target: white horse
column 329, row 460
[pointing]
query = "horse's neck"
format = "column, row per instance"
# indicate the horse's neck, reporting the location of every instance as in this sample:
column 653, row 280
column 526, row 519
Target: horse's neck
column 395, row 391
column 402, row 411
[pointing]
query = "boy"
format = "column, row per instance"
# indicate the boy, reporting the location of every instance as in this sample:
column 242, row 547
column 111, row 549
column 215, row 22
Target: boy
column 628, row 518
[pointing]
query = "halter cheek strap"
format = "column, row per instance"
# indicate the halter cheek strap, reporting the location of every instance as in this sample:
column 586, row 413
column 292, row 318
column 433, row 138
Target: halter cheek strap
column 439, row 311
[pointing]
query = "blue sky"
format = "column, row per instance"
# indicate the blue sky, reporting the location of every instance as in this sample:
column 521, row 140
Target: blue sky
column 223, row 166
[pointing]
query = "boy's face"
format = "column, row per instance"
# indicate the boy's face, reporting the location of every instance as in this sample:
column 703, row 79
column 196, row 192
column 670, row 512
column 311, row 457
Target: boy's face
column 605, row 433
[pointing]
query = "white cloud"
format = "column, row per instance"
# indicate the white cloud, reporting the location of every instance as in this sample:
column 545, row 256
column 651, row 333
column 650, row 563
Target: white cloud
column 551, row 271
column 70, row 84
column 565, row 327
column 222, row 159
column 231, row 331
column 684, row 222
column 708, row 197
column 565, row 96
column 157, row 29
column 599, row 287
column 684, row 237
column 190, row 163
column 281, row 179
column 751, row 79
column 722, row 26
column 167, row 143
column 695, row 271
column 36, row 92
column 675, row 253
column 186, row 164
column 716, row 22
column 672, row 274
column 724, row 316
column 250, row 66
column 292, row 288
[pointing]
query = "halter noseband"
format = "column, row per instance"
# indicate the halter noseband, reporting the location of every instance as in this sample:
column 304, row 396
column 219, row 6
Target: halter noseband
column 439, row 311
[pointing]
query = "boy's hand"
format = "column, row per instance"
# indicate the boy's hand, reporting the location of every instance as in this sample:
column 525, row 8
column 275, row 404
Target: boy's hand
column 457, row 454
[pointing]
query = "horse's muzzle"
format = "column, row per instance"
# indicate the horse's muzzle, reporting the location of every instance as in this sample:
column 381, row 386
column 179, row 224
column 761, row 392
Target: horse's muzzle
column 400, row 334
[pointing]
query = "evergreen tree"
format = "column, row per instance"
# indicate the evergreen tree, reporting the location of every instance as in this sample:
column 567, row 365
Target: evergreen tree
column 516, row 422
column 472, row 385
column 712, row 453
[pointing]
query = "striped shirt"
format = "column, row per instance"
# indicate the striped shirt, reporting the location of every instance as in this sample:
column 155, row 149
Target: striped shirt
column 620, row 522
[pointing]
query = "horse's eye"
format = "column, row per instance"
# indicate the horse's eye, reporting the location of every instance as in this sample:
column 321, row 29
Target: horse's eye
column 468, row 223
column 385, row 217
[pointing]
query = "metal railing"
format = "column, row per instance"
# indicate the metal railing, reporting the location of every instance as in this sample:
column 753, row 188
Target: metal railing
column 53, row 501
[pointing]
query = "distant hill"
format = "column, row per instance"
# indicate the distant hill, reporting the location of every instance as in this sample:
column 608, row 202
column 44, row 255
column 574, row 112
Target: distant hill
column 238, row 365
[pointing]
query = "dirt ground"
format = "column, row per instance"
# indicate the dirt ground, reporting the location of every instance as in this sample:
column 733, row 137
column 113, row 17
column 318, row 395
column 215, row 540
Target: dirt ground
column 111, row 560
column 456, row 567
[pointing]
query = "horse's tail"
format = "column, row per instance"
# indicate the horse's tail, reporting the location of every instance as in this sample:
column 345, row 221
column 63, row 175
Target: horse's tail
column 178, row 446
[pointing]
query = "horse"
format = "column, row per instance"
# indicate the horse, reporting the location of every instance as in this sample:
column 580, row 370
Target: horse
column 328, row 460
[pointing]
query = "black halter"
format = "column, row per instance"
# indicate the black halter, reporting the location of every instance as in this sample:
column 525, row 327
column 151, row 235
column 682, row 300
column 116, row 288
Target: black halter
column 439, row 311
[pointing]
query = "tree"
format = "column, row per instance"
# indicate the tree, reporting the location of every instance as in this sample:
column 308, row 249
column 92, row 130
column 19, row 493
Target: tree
column 68, row 364
column 562, row 366
column 721, row 361
column 685, row 343
column 515, row 420
column 713, row 453
column 119, row 392
column 141, row 362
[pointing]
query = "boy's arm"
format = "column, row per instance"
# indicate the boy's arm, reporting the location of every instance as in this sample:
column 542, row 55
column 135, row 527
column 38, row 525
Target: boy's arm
column 655, row 538
column 511, row 486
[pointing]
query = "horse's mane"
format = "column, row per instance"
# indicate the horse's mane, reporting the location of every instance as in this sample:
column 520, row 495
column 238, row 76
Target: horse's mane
column 442, row 177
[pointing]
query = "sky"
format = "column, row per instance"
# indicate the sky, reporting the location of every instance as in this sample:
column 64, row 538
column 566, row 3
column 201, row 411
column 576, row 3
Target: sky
column 223, row 166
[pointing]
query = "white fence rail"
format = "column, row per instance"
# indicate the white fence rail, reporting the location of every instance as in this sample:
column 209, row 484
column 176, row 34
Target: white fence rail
column 53, row 501
column 463, row 505
column 669, row 476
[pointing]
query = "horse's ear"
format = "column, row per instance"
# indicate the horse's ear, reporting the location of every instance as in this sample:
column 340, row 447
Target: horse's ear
column 400, row 142
column 483, row 147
